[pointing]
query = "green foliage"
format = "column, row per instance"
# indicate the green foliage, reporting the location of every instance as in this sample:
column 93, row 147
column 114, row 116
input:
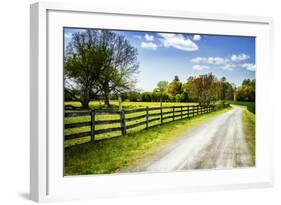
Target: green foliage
column 184, row 97
column 225, row 90
column 99, row 62
column 146, row 97
column 161, row 86
column 178, row 98
column 246, row 92
column 174, row 87
column 177, row 78
column 204, row 87
column 133, row 96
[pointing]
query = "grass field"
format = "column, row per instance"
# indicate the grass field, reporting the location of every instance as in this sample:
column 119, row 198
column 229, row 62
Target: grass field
column 126, row 106
column 110, row 155
column 251, row 106
column 249, row 122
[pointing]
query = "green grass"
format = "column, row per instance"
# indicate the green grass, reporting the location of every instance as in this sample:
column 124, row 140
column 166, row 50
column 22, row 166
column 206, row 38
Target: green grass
column 115, row 154
column 251, row 106
column 249, row 122
column 126, row 105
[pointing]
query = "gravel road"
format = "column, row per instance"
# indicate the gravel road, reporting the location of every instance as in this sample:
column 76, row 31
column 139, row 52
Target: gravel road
column 216, row 143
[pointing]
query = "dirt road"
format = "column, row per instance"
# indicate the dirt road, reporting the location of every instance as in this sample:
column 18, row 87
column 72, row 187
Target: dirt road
column 217, row 143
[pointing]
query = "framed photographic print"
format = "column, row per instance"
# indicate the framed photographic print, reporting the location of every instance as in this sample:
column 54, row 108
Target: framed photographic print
column 127, row 102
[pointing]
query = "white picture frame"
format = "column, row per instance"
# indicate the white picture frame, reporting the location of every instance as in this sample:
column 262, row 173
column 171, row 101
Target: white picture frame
column 47, row 182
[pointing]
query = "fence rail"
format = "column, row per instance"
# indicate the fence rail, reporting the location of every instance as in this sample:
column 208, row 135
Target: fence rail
column 126, row 122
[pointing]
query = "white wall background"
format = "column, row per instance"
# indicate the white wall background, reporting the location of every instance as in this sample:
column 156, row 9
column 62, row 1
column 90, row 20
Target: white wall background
column 14, row 103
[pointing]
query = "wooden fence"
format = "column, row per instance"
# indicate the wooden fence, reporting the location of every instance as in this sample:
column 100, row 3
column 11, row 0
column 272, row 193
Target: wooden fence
column 145, row 118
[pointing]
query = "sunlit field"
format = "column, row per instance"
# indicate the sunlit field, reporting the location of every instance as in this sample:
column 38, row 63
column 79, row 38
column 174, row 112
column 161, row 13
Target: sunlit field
column 109, row 116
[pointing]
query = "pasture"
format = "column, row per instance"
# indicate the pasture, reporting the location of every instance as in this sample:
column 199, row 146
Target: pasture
column 115, row 116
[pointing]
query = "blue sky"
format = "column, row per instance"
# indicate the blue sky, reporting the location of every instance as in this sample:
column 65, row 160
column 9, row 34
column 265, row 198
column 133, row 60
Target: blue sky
column 164, row 55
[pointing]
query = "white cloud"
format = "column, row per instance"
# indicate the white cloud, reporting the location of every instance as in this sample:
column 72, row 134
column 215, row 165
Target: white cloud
column 217, row 60
column 198, row 60
column 177, row 41
column 249, row 66
column 196, row 37
column 210, row 60
column 227, row 63
column 149, row 37
column 229, row 67
column 150, row 45
column 239, row 57
column 68, row 36
column 200, row 67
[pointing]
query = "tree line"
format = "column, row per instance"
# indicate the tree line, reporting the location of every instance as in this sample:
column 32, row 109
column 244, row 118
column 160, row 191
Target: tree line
column 204, row 89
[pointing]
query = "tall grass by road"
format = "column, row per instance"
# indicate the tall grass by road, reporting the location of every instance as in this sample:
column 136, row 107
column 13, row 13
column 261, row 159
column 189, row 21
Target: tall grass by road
column 249, row 124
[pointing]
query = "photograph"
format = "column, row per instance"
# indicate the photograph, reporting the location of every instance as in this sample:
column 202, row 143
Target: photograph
column 155, row 101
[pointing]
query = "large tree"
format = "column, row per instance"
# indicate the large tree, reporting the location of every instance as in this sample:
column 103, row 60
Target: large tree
column 100, row 62
column 225, row 90
column 247, row 91
column 161, row 86
column 174, row 87
column 204, row 88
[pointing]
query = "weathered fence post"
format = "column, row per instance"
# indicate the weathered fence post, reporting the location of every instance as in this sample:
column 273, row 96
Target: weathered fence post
column 187, row 113
column 123, row 122
column 146, row 116
column 93, row 116
column 181, row 111
column 161, row 112
column 173, row 112
column 193, row 110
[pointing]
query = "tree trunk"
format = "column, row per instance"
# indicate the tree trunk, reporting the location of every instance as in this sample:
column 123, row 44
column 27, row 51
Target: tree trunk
column 85, row 99
column 85, row 103
column 106, row 95
column 106, row 99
